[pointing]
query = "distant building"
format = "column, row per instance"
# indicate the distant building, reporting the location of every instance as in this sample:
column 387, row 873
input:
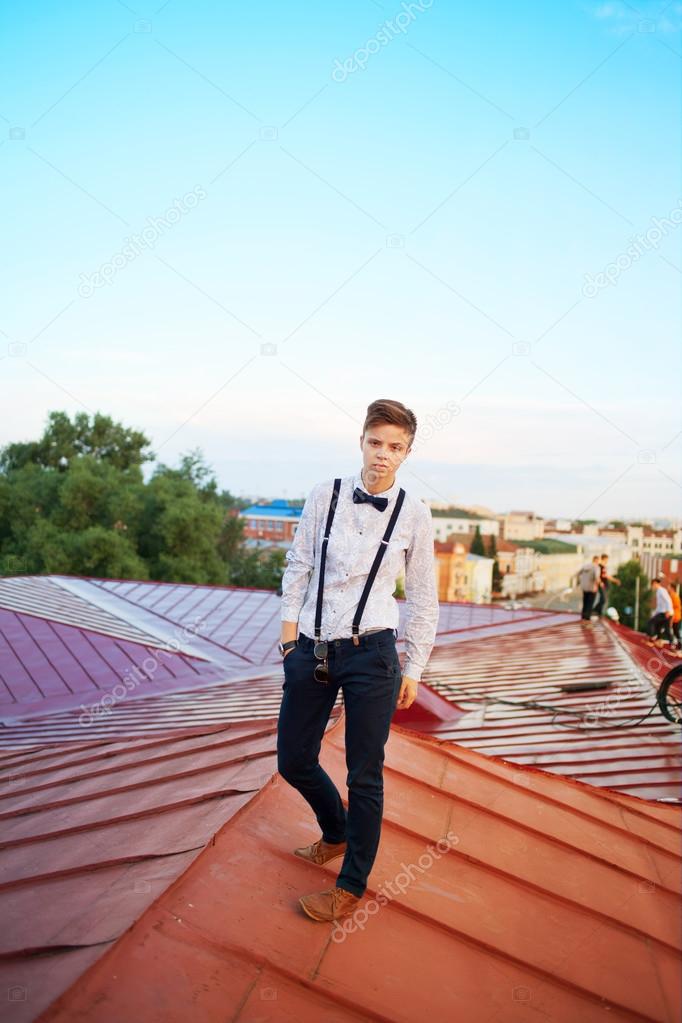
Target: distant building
column 461, row 575
column 671, row 569
column 558, row 526
column 451, row 570
column 526, row 570
column 522, row 525
column 589, row 545
column 479, row 572
column 658, row 542
column 446, row 526
column 273, row 523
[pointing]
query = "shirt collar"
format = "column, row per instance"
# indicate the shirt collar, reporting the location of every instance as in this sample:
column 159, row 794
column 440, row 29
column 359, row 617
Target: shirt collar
column 390, row 493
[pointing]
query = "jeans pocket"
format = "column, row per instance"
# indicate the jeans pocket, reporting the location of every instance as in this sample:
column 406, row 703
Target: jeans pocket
column 387, row 656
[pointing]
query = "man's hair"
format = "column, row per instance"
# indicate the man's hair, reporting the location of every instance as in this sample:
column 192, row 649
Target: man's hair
column 383, row 410
column 604, row 556
column 659, row 582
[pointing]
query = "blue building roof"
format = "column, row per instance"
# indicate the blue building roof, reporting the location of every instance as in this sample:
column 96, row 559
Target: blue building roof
column 279, row 509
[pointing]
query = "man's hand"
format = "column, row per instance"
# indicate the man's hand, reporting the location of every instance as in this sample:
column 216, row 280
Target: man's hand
column 408, row 693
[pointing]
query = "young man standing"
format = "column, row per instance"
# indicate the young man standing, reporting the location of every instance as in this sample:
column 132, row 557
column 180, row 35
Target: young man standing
column 339, row 628
column 604, row 582
column 588, row 579
column 661, row 619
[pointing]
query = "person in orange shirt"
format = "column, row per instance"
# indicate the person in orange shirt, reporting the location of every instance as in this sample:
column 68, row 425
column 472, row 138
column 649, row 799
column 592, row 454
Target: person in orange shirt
column 674, row 591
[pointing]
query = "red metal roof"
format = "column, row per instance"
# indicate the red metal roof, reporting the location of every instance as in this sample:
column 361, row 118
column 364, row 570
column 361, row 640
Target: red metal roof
column 145, row 867
column 613, row 737
column 94, row 832
column 551, row 899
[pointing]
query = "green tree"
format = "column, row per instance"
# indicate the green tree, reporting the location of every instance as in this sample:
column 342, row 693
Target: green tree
column 623, row 597
column 181, row 523
column 76, row 502
column 492, row 553
column 477, row 543
column 63, row 440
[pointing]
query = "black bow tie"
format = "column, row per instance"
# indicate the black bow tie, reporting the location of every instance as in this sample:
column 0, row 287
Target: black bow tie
column 379, row 502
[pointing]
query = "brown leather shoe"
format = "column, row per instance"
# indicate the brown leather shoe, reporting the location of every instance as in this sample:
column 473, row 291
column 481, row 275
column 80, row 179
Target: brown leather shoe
column 321, row 851
column 329, row 905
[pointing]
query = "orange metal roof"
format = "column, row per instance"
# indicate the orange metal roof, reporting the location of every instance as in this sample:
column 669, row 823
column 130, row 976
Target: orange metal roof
column 93, row 832
column 555, row 900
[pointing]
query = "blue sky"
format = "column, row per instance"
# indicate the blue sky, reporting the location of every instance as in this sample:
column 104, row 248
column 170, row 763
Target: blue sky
column 426, row 224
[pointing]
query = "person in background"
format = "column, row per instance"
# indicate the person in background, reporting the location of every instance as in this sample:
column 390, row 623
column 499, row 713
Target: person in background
column 674, row 591
column 588, row 580
column 604, row 581
column 661, row 619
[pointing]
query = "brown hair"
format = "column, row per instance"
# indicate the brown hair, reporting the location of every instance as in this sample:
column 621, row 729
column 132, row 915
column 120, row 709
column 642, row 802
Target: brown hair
column 383, row 410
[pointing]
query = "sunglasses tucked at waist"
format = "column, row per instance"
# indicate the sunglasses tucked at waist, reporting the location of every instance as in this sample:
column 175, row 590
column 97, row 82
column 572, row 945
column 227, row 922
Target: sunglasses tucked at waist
column 369, row 638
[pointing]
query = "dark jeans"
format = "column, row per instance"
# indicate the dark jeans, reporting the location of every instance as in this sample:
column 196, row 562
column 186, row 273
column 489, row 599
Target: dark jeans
column 658, row 624
column 370, row 676
column 602, row 600
column 588, row 601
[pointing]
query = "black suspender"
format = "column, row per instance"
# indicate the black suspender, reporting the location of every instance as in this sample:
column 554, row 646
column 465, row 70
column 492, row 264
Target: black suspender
column 372, row 572
column 323, row 556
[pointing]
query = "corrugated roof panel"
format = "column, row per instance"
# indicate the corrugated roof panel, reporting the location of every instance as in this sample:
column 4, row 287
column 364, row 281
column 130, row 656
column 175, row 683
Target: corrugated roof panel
column 214, row 705
column 92, row 835
column 47, row 666
column 511, row 692
column 43, row 596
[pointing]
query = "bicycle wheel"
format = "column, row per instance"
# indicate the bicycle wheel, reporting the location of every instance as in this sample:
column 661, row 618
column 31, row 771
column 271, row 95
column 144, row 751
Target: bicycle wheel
column 669, row 695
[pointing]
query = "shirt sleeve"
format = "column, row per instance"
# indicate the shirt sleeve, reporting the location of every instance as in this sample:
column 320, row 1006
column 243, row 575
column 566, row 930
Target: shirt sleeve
column 300, row 560
column 421, row 597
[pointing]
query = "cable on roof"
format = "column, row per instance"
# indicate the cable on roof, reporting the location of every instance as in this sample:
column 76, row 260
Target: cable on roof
column 534, row 705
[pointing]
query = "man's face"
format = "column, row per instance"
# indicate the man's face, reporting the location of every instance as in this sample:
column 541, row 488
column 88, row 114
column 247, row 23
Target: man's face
column 384, row 447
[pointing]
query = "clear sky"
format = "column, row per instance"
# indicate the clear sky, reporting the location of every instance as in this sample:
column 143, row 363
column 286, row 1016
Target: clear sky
column 233, row 226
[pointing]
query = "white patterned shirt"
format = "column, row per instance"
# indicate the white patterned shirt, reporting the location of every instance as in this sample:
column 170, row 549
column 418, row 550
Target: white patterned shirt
column 353, row 542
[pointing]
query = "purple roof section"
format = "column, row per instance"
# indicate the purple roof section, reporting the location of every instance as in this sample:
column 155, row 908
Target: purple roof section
column 48, row 666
